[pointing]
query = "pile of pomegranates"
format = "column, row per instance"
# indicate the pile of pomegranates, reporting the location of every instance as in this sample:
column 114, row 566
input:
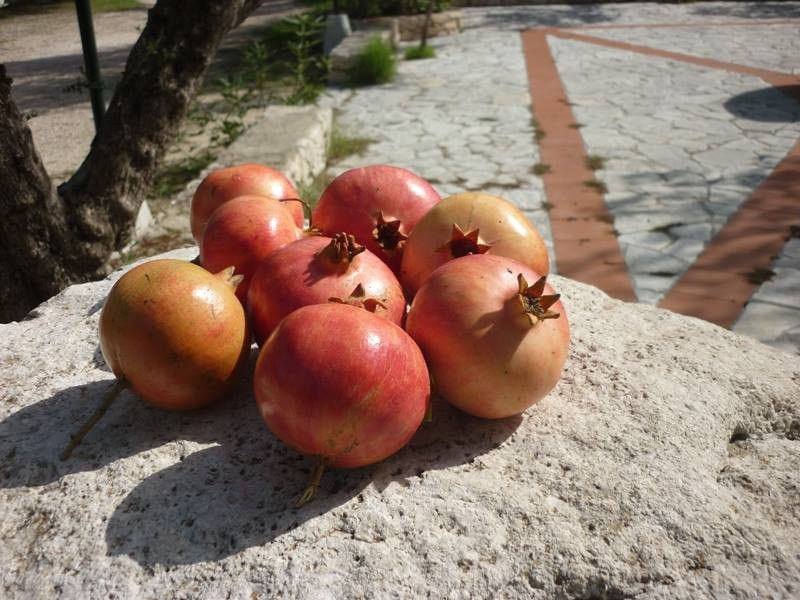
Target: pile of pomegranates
column 345, row 364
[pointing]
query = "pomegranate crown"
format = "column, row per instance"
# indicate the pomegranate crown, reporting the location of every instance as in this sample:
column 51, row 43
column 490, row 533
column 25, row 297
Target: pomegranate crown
column 229, row 277
column 462, row 244
column 341, row 249
column 358, row 297
column 534, row 304
column 387, row 233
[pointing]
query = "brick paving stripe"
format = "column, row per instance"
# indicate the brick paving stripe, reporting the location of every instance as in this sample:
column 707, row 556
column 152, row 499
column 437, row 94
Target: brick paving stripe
column 725, row 275
column 586, row 247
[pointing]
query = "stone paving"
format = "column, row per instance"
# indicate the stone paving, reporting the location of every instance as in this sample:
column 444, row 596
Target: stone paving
column 745, row 45
column 683, row 145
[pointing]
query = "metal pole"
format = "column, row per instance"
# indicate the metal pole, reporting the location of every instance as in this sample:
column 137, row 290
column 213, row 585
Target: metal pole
column 84, row 10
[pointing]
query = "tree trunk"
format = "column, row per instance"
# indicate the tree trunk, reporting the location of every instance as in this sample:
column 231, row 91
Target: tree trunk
column 49, row 240
column 426, row 26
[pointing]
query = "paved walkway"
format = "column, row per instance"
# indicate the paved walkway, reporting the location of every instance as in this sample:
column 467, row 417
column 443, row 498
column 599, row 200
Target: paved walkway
column 670, row 137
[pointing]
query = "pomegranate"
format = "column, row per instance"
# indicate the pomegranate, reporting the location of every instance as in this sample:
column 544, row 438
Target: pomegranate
column 242, row 180
column 379, row 205
column 495, row 344
column 313, row 271
column 242, row 232
column 336, row 382
column 175, row 333
column 470, row 223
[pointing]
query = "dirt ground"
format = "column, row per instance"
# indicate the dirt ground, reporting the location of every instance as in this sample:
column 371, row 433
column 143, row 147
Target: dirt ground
column 42, row 53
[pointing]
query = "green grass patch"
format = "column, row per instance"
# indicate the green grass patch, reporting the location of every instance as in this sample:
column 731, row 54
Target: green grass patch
column 540, row 168
column 311, row 192
column 114, row 5
column 374, row 64
column 595, row 162
column 596, row 184
column 34, row 8
column 665, row 229
column 418, row 52
column 538, row 132
column 174, row 178
column 343, row 145
column 759, row 275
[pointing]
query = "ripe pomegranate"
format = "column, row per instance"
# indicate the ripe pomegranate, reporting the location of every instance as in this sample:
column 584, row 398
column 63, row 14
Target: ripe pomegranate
column 313, row 271
column 242, row 180
column 495, row 345
column 175, row 333
column 242, row 232
column 379, row 205
column 470, row 223
column 336, row 382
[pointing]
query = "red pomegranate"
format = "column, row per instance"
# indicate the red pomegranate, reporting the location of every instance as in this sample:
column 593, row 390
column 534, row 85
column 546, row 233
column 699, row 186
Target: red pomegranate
column 470, row 223
column 242, row 232
column 175, row 333
column 495, row 344
column 315, row 270
column 336, row 382
column 242, row 180
column 379, row 205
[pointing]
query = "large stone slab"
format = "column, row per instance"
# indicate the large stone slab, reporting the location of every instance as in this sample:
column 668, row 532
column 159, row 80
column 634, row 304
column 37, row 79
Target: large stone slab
column 663, row 465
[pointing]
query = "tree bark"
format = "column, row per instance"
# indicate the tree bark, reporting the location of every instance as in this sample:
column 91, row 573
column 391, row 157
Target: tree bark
column 32, row 219
column 51, row 239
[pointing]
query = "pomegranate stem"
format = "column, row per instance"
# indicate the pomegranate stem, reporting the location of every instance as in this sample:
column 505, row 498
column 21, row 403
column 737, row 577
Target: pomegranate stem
column 109, row 398
column 428, row 412
column 313, row 482
column 305, row 205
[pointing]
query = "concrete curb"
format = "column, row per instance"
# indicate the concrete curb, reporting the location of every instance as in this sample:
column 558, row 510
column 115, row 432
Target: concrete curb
column 292, row 139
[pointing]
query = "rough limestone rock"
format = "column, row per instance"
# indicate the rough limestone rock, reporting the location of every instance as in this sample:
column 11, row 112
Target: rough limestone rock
column 666, row 464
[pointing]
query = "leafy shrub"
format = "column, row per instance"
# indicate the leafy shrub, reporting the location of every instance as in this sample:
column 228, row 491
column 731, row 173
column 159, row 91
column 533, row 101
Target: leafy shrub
column 293, row 49
column 374, row 64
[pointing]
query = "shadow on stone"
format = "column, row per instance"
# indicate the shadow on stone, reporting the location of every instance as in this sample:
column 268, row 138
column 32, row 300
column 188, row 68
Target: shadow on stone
column 34, row 437
column 96, row 307
column 520, row 18
column 99, row 361
column 238, row 495
column 768, row 105
column 748, row 10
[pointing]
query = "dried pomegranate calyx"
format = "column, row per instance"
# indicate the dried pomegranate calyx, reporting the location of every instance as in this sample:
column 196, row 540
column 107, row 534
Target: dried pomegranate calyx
column 342, row 249
column 387, row 233
column 462, row 244
column 227, row 275
column 533, row 303
column 358, row 297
